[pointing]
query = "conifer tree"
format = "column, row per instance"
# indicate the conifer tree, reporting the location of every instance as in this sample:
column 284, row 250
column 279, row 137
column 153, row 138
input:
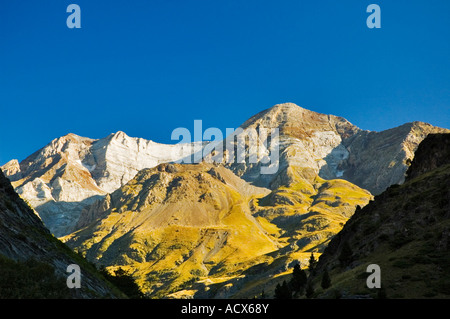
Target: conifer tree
column 299, row 278
column 283, row 291
column 287, row 293
column 278, row 293
column 312, row 263
column 124, row 281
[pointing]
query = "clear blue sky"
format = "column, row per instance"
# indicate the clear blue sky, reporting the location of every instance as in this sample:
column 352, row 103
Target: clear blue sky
column 148, row 67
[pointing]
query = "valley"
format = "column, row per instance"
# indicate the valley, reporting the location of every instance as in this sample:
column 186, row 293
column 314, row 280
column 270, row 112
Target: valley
column 218, row 228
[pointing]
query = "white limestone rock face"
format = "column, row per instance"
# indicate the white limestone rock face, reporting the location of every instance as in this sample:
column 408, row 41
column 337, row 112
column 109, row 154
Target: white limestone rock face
column 307, row 140
column 72, row 172
column 12, row 169
column 118, row 157
column 330, row 146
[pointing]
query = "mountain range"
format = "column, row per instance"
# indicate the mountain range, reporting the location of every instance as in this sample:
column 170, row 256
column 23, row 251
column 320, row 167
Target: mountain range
column 213, row 229
column 72, row 172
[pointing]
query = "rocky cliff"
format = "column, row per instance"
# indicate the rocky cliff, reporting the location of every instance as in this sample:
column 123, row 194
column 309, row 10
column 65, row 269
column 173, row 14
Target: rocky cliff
column 332, row 147
column 379, row 159
column 73, row 171
column 431, row 154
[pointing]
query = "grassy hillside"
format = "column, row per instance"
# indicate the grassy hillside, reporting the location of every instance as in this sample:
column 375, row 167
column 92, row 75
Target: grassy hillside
column 406, row 231
column 199, row 230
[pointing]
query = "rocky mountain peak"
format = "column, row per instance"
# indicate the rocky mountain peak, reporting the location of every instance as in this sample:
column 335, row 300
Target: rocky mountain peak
column 333, row 147
column 433, row 152
column 306, row 140
column 297, row 122
column 12, row 169
column 73, row 170
column 119, row 135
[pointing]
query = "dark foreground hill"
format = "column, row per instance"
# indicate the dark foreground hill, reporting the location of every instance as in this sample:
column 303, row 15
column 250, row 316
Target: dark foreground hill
column 405, row 230
column 33, row 263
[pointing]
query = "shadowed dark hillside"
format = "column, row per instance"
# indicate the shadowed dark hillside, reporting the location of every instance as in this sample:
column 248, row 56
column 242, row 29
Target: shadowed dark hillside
column 405, row 230
column 33, row 263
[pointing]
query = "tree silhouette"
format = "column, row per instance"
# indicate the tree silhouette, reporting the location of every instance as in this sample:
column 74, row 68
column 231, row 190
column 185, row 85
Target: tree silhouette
column 124, row 281
column 299, row 278
column 283, row 291
column 312, row 263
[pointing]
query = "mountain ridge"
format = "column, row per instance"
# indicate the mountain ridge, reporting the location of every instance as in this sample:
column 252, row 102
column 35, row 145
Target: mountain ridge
column 72, row 172
column 335, row 148
column 123, row 201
